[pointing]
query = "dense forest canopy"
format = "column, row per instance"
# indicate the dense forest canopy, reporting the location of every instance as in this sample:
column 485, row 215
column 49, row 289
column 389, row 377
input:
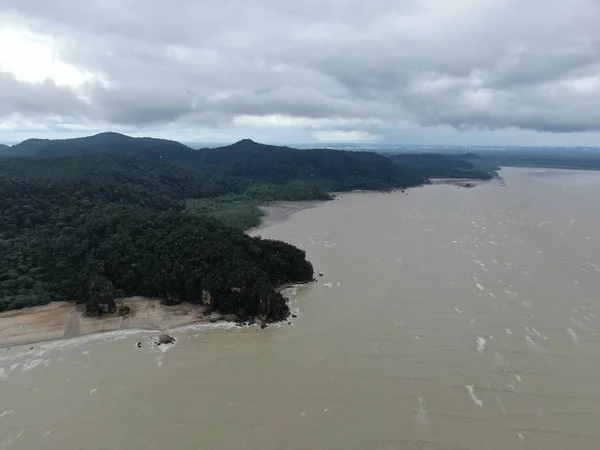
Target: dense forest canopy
column 566, row 158
column 433, row 165
column 92, row 219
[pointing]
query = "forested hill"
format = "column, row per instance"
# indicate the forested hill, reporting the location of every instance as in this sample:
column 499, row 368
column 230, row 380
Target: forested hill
column 244, row 160
column 433, row 165
column 103, row 142
column 93, row 219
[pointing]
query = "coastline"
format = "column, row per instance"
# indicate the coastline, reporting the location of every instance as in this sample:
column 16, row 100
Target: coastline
column 277, row 212
column 64, row 320
column 460, row 182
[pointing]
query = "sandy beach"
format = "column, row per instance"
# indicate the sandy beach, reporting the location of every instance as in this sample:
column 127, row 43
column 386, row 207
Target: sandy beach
column 280, row 211
column 63, row 320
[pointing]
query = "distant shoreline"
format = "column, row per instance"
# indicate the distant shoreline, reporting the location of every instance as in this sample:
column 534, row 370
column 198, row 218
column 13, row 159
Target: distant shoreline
column 277, row 212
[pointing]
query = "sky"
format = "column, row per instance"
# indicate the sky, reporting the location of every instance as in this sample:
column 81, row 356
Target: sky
column 473, row 72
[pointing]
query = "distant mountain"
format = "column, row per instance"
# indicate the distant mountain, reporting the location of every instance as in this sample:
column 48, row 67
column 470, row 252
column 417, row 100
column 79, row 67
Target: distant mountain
column 344, row 170
column 7, row 150
column 433, row 165
column 99, row 143
column 244, row 160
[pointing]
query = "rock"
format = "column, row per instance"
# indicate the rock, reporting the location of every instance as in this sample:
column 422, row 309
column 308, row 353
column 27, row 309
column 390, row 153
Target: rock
column 165, row 339
column 124, row 310
column 139, row 344
column 320, row 274
column 294, row 316
column 214, row 317
column 263, row 326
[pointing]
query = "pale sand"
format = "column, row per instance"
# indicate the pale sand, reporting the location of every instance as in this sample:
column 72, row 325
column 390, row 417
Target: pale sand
column 60, row 320
column 467, row 182
column 277, row 212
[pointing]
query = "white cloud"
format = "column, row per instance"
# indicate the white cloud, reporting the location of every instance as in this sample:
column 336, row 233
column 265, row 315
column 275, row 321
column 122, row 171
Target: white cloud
column 34, row 58
column 343, row 69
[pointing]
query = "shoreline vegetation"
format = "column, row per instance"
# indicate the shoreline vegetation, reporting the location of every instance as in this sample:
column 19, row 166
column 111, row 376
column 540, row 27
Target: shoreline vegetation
column 111, row 217
column 66, row 320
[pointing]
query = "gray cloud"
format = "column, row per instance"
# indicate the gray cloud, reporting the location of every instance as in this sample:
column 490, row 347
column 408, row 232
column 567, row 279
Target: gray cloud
column 37, row 99
column 139, row 104
column 345, row 64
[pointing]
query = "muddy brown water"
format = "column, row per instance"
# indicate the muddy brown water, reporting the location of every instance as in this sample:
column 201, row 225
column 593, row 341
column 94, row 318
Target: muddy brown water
column 447, row 318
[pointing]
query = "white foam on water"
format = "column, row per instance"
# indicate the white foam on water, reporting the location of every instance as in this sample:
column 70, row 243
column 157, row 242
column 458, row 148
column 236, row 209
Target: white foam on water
column 508, row 331
column 577, row 322
column 33, row 363
column 535, row 332
column 93, row 391
column 290, row 291
column 164, row 348
column 479, row 286
column 422, row 415
column 573, row 334
column 7, row 413
column 471, row 390
column 491, row 294
column 481, row 343
column 3, row 374
column 535, row 347
column 329, row 285
column 521, row 436
column 338, row 284
column 519, row 379
column 527, row 304
column 458, row 310
column 13, row 367
column 59, row 345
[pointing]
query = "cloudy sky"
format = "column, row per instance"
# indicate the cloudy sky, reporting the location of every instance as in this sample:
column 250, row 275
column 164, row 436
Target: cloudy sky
column 408, row 71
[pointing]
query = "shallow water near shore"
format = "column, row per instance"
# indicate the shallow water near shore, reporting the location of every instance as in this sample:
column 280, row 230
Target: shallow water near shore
column 447, row 318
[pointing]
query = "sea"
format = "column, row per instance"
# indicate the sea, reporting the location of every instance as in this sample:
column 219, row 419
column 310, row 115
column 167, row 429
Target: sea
column 445, row 318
